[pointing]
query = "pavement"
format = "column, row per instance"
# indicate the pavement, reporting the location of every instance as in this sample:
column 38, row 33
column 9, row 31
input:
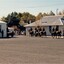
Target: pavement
column 31, row 50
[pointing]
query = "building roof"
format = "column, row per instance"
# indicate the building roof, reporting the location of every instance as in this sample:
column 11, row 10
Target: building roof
column 47, row 21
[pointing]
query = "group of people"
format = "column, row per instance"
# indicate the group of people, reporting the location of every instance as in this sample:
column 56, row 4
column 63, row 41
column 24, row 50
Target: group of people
column 56, row 33
column 37, row 32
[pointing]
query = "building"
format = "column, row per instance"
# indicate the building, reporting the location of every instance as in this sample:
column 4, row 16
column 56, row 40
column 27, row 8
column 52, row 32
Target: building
column 48, row 22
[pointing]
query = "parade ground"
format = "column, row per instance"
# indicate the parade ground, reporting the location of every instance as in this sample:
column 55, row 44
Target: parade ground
column 31, row 50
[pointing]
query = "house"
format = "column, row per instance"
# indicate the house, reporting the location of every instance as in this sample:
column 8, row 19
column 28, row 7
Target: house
column 48, row 22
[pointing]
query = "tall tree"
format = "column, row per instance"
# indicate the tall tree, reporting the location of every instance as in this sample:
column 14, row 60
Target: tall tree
column 63, row 12
column 51, row 13
column 39, row 16
column 26, row 17
column 12, row 19
column 45, row 14
column 4, row 19
column 60, row 13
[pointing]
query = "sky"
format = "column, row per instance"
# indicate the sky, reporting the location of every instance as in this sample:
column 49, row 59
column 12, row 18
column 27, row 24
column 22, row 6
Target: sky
column 31, row 6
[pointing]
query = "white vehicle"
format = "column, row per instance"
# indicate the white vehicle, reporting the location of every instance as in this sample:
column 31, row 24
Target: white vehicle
column 10, row 32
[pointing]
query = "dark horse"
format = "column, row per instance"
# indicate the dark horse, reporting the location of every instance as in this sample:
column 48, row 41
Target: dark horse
column 31, row 32
column 43, row 33
column 53, row 33
column 36, row 32
column 56, row 33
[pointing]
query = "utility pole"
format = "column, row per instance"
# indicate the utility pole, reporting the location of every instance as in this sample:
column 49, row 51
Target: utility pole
column 56, row 11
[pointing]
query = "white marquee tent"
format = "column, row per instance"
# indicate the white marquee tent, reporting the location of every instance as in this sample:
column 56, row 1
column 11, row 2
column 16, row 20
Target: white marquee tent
column 3, row 30
column 48, row 21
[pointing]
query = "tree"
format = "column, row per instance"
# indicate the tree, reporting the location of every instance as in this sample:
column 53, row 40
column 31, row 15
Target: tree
column 14, row 22
column 45, row 14
column 12, row 19
column 60, row 13
column 19, row 15
column 63, row 12
column 39, row 16
column 3, row 19
column 26, row 17
column 51, row 13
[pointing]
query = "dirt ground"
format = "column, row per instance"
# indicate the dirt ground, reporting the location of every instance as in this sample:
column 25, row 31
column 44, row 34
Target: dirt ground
column 31, row 50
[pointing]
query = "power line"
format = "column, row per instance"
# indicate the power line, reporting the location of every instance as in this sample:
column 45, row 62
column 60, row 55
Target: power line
column 40, row 6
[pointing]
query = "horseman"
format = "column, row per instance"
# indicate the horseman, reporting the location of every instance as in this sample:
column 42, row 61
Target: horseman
column 36, row 32
column 39, row 31
column 53, row 32
column 31, row 32
column 43, row 32
column 59, row 34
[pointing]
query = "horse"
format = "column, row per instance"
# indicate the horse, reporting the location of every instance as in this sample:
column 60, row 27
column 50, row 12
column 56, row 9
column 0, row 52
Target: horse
column 58, row 34
column 43, row 33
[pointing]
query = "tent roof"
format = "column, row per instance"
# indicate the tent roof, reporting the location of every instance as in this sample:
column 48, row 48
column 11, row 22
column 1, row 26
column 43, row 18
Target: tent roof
column 47, row 21
column 51, row 20
column 32, row 24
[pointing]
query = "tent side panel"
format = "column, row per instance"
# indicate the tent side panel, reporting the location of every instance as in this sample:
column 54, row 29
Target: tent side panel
column 3, row 30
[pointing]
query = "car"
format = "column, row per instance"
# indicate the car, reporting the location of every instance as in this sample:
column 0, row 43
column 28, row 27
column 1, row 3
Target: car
column 10, row 32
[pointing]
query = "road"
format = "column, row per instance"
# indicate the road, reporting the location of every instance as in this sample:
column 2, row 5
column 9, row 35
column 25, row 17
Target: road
column 31, row 50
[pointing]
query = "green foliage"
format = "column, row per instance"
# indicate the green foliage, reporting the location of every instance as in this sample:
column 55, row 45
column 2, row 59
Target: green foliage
column 26, row 17
column 60, row 13
column 23, row 17
column 39, row 16
column 45, row 14
column 51, row 13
